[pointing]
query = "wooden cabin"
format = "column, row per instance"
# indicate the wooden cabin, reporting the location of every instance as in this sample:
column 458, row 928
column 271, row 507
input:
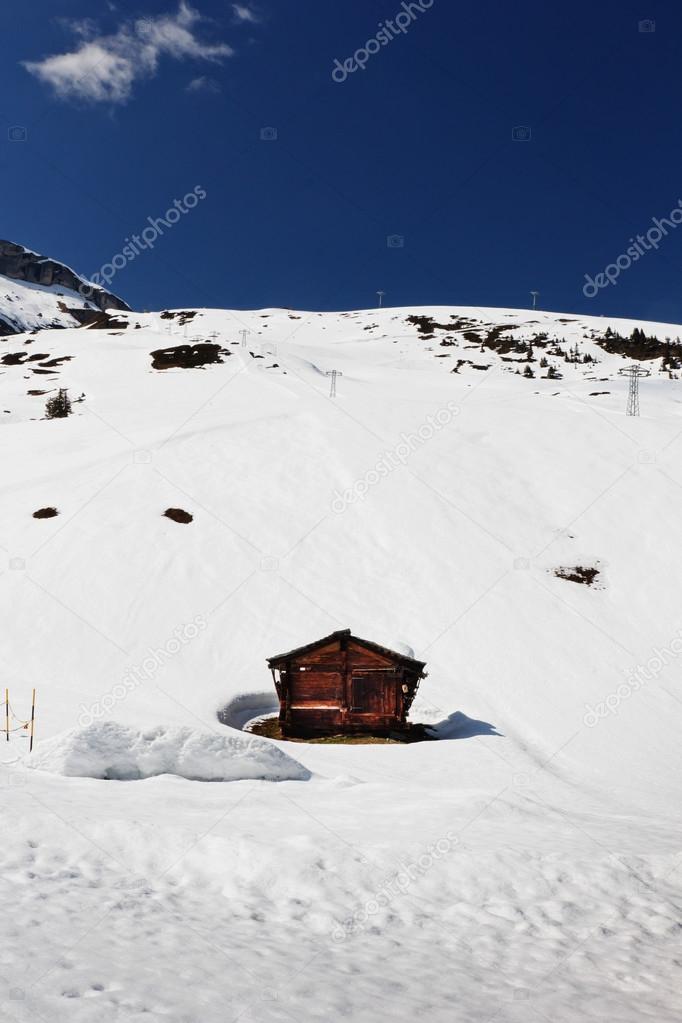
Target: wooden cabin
column 342, row 684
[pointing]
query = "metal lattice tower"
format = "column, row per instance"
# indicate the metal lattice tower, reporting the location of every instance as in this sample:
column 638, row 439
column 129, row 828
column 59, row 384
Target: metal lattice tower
column 536, row 296
column 333, row 373
column 244, row 334
column 634, row 374
column 381, row 298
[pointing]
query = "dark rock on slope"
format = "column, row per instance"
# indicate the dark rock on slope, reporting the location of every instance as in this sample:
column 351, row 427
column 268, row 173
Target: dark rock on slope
column 22, row 264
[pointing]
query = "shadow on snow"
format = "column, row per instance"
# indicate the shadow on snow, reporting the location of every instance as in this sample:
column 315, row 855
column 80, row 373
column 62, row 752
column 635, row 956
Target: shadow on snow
column 459, row 726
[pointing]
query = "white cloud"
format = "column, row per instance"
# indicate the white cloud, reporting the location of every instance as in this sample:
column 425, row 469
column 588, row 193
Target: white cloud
column 244, row 13
column 104, row 69
column 84, row 27
column 202, row 84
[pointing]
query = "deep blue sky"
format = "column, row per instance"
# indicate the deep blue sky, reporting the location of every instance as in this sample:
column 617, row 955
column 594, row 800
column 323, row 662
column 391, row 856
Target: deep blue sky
column 418, row 145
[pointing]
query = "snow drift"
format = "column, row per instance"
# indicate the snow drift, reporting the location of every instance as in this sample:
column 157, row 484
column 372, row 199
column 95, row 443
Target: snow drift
column 112, row 751
column 246, row 706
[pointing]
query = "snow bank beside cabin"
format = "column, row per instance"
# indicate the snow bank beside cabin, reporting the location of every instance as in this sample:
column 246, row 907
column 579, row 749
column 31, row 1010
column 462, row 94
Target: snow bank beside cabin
column 112, row 751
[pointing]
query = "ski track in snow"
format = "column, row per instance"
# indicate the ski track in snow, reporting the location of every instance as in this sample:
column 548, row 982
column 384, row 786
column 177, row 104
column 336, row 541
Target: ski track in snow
column 528, row 866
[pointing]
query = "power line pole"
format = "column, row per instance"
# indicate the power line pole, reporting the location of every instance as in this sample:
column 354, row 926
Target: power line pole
column 634, row 374
column 536, row 296
column 333, row 373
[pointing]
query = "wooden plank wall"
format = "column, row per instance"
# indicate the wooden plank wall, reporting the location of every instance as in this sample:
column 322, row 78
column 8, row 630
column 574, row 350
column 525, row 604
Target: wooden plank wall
column 319, row 694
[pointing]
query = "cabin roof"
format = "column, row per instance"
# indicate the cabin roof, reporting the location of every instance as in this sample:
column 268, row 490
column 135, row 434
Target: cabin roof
column 339, row 634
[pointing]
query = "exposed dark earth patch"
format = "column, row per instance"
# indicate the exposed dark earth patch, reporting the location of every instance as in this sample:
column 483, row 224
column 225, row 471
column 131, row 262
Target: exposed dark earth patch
column 188, row 356
column 23, row 358
column 45, row 513
column 270, row 728
column 468, row 362
column 96, row 320
column 183, row 316
column 19, row 358
column 485, row 337
column 178, row 515
column 53, row 362
column 578, row 574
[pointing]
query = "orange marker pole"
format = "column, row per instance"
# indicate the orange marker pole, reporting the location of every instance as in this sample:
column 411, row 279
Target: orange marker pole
column 33, row 717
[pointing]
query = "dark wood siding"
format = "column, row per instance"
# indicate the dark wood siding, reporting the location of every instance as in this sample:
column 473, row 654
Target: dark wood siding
column 316, row 686
column 343, row 685
column 369, row 693
column 360, row 657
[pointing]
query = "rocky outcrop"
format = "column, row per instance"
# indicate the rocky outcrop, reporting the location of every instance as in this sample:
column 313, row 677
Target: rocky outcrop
column 188, row 356
column 21, row 264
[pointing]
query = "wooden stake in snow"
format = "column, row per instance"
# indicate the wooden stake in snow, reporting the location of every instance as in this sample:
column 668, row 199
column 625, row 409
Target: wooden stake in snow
column 33, row 717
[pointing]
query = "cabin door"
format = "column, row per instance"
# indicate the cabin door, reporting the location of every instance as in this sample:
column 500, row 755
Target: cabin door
column 368, row 689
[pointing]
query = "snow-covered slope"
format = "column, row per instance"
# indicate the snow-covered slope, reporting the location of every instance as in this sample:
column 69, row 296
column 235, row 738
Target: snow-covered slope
column 445, row 499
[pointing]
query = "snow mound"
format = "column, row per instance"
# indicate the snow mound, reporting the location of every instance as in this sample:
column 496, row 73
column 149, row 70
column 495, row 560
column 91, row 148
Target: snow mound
column 112, row 751
column 385, row 638
column 403, row 648
column 246, row 706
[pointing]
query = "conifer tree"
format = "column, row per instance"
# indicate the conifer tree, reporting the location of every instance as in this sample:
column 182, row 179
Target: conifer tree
column 59, row 406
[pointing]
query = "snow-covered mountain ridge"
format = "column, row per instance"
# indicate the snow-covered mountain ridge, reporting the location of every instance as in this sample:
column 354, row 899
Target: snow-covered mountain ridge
column 38, row 292
column 534, row 346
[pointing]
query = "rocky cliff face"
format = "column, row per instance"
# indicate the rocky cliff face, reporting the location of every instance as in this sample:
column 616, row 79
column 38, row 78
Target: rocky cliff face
column 22, row 264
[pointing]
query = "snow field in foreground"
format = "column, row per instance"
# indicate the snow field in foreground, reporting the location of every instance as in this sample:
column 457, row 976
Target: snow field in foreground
column 552, row 798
